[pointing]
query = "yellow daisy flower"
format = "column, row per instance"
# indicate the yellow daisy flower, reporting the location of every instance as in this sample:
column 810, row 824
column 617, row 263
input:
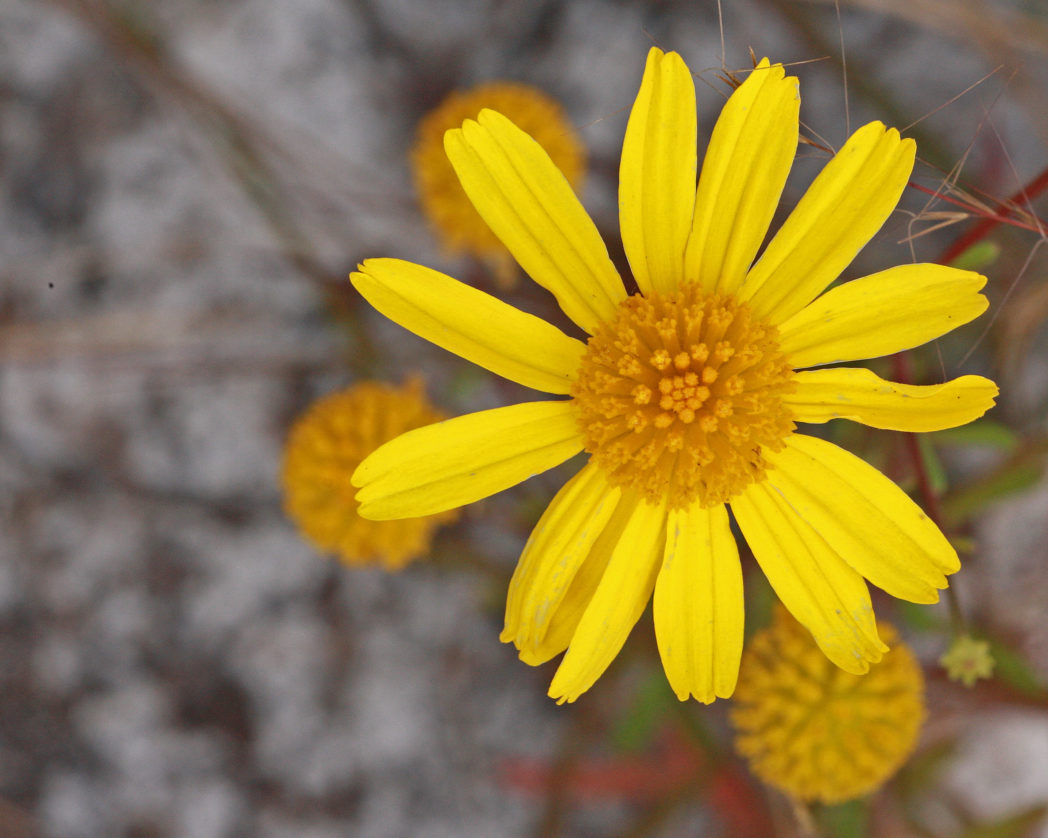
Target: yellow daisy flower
column 323, row 448
column 685, row 394
column 443, row 200
column 816, row 732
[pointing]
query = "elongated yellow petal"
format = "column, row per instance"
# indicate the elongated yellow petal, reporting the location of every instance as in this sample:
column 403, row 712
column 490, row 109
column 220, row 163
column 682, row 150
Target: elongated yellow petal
column 822, row 591
column 846, row 205
column 882, row 313
column 557, row 547
column 698, row 606
column 862, row 396
column 563, row 621
column 472, row 324
column 531, row 207
column 745, row 168
column 863, row 517
column 461, row 460
column 657, row 173
column 616, row 605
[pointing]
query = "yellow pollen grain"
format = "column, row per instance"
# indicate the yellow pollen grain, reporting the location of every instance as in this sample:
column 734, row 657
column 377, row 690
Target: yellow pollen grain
column 683, row 424
column 660, row 360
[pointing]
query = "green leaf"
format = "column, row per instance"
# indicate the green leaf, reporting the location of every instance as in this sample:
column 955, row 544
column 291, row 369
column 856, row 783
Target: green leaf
column 846, row 820
column 642, row 720
column 1012, row 668
column 919, row 618
column 980, row 255
column 959, row 505
column 932, row 464
column 760, row 602
column 982, row 433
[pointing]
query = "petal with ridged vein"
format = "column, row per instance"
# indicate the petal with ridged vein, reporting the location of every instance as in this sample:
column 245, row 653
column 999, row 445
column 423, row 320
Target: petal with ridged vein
column 558, row 545
column 530, row 206
column 743, row 174
column 616, row 605
column 818, row 587
column 881, row 314
column 864, row 517
column 698, row 605
column 863, row 396
column 843, row 209
column 657, row 173
column 461, row 460
column 472, row 324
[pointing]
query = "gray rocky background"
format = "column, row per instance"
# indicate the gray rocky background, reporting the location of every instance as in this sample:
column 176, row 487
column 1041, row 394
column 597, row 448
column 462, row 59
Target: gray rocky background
column 183, row 188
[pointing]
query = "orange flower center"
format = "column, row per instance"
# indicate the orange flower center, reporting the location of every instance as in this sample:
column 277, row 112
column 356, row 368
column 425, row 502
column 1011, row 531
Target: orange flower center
column 679, row 395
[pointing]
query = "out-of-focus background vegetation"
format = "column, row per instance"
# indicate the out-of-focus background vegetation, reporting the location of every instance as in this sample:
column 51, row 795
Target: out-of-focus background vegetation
column 184, row 187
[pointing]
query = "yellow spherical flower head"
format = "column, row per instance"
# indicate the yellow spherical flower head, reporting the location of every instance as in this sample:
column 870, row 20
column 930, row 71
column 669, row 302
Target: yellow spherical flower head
column 443, row 200
column 815, row 731
column 686, row 395
column 324, row 447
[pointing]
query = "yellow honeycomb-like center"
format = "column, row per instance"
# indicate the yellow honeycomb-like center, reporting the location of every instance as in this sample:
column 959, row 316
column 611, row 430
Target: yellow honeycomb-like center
column 680, row 394
column 816, row 731
column 325, row 446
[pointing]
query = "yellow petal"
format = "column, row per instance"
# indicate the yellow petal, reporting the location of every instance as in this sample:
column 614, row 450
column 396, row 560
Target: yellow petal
column 825, row 595
column 863, row 517
column 563, row 621
column 616, row 605
column 698, row 604
column 882, row 313
column 557, row 547
column 862, row 396
column 846, row 205
column 472, row 324
column 749, row 156
column 657, row 173
column 458, row 461
column 530, row 206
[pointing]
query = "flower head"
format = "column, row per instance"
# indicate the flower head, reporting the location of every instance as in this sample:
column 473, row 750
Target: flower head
column 445, row 203
column 687, row 394
column 815, row 731
column 968, row 660
column 324, row 447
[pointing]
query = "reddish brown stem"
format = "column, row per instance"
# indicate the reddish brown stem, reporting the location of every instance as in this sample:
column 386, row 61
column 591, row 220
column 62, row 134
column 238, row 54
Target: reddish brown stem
column 904, row 375
column 929, row 499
